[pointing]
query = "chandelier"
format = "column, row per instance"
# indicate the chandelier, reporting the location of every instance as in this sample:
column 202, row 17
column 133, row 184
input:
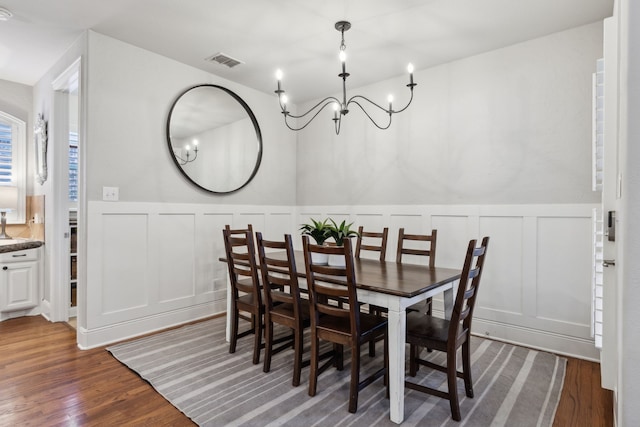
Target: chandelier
column 187, row 153
column 341, row 107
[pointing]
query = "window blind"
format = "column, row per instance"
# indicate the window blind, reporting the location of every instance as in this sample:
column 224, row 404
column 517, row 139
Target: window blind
column 6, row 154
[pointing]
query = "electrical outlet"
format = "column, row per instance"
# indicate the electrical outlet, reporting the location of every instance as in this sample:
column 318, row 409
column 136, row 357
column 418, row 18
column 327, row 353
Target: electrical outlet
column 110, row 194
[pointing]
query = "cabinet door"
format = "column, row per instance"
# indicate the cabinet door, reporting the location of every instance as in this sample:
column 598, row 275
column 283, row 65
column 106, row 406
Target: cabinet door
column 18, row 285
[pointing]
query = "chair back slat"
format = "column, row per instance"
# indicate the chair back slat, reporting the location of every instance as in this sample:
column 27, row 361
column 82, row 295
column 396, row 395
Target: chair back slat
column 379, row 237
column 279, row 276
column 406, row 240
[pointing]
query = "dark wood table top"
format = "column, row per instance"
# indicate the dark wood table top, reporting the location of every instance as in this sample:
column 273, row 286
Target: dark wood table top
column 399, row 279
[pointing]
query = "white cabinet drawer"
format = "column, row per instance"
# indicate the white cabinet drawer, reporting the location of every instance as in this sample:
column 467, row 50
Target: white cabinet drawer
column 19, row 256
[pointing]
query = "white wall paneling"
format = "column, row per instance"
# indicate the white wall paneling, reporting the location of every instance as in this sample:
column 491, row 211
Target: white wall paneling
column 155, row 265
column 536, row 288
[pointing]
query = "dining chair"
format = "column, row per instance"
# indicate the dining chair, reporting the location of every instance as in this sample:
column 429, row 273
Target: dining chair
column 372, row 237
column 407, row 245
column 449, row 335
column 245, row 287
column 377, row 242
column 342, row 326
column 282, row 300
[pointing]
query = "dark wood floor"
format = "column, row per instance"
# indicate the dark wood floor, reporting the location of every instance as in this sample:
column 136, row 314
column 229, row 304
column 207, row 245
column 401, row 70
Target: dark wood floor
column 46, row 380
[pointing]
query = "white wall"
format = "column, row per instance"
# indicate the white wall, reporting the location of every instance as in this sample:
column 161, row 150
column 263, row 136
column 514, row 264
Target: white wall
column 130, row 93
column 152, row 256
column 509, row 126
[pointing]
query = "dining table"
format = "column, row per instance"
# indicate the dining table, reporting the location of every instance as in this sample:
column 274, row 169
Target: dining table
column 394, row 286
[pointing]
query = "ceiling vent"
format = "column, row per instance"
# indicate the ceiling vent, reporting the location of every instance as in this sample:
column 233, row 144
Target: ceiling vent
column 224, row 59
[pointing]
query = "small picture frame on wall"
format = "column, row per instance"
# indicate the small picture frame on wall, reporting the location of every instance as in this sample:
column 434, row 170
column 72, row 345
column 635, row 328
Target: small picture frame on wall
column 40, row 136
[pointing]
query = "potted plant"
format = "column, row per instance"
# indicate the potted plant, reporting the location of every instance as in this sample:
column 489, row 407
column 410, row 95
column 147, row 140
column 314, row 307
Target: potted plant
column 319, row 232
column 339, row 233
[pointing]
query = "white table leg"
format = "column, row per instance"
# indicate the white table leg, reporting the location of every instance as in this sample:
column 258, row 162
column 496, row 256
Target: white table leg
column 448, row 301
column 396, row 337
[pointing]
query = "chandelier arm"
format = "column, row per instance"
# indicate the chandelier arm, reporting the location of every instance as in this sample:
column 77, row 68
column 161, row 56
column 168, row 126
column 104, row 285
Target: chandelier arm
column 406, row 106
column 312, row 117
column 354, row 97
column 367, row 114
column 328, row 100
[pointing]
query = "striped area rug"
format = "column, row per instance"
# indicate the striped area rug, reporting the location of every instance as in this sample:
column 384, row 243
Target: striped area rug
column 192, row 368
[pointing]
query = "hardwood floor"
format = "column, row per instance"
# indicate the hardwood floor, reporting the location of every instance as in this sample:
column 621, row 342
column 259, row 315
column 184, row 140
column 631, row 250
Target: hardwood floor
column 46, row 380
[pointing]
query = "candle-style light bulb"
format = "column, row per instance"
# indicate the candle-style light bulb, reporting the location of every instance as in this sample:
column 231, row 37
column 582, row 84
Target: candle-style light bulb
column 195, row 142
column 187, row 147
column 390, row 100
column 335, row 110
column 279, row 78
column 342, row 56
column 410, row 70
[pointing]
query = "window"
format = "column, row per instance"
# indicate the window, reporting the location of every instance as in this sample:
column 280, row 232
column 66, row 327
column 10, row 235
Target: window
column 12, row 161
column 6, row 153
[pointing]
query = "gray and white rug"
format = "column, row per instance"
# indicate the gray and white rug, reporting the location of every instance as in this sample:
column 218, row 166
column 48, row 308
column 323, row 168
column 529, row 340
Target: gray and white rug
column 192, row 368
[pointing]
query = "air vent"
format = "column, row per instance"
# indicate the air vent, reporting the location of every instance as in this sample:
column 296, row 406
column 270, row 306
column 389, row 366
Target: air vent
column 224, row 59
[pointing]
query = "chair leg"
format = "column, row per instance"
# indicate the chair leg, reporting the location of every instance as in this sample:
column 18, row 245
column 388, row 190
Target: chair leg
column 234, row 330
column 339, row 349
column 414, row 352
column 268, row 344
column 355, row 379
column 313, row 365
column 297, row 364
column 257, row 321
column 452, row 383
column 466, row 368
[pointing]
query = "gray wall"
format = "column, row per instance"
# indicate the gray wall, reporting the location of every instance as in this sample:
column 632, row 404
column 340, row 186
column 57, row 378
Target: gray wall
column 510, row 126
column 130, row 92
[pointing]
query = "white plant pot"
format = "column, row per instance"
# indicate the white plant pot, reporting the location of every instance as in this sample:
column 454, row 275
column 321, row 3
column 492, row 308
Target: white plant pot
column 337, row 260
column 319, row 259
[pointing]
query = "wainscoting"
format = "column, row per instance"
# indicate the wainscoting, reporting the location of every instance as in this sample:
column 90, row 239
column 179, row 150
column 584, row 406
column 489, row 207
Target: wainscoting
column 151, row 266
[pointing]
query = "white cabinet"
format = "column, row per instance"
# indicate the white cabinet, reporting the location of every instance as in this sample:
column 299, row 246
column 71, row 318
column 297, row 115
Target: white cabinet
column 19, row 280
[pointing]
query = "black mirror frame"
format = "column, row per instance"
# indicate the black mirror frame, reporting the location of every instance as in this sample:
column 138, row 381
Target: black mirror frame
column 255, row 126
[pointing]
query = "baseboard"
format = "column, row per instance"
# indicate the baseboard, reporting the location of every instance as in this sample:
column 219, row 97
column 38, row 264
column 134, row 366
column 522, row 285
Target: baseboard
column 98, row 337
column 565, row 345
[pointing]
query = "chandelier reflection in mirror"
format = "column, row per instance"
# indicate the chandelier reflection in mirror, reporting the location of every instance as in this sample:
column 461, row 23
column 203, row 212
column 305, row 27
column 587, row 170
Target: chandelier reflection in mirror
column 341, row 107
column 186, row 152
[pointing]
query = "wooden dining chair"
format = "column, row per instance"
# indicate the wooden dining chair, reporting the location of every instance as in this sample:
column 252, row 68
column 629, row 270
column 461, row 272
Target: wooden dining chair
column 407, row 245
column 449, row 335
column 372, row 237
column 342, row 326
column 245, row 287
column 374, row 241
column 282, row 300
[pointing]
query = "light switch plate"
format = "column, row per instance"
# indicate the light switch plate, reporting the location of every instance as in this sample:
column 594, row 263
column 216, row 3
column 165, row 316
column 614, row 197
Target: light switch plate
column 110, row 194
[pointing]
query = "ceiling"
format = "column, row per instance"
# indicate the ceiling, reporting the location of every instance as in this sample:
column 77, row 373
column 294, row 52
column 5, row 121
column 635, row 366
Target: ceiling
column 295, row 35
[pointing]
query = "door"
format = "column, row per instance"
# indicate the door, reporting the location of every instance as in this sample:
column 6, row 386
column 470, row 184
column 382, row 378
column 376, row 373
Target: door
column 611, row 208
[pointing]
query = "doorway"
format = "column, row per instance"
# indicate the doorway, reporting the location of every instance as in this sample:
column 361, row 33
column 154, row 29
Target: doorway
column 65, row 277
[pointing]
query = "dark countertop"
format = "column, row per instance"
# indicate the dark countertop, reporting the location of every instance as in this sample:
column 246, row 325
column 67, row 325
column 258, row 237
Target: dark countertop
column 21, row 245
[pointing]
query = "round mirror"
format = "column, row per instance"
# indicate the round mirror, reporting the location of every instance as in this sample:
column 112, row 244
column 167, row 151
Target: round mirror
column 214, row 138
